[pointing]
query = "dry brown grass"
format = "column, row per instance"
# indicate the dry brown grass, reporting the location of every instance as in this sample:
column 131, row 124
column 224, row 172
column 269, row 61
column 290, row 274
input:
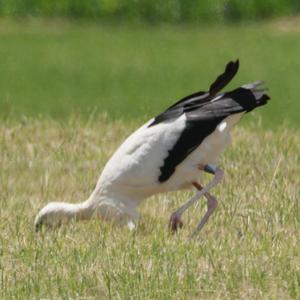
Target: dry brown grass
column 249, row 249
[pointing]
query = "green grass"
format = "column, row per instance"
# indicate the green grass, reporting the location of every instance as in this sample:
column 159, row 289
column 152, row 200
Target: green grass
column 58, row 68
column 249, row 248
column 71, row 92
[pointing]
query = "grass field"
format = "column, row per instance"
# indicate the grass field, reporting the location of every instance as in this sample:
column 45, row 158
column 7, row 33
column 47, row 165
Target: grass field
column 70, row 93
column 56, row 68
column 249, row 249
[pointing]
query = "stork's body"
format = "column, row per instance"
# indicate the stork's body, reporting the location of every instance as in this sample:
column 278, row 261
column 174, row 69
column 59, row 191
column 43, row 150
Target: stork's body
column 167, row 153
column 134, row 169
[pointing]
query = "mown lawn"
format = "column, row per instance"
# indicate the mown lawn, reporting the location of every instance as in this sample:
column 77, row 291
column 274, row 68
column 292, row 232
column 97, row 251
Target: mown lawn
column 58, row 68
column 249, row 249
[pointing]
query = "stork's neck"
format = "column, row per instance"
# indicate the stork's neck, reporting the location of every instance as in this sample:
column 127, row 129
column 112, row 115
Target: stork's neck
column 80, row 211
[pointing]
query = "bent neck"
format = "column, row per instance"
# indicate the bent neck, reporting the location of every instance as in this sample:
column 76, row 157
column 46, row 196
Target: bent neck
column 80, row 211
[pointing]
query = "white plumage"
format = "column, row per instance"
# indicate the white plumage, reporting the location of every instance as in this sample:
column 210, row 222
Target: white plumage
column 133, row 172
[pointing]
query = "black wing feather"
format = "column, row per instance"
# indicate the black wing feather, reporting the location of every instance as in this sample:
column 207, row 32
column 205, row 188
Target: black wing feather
column 202, row 120
column 230, row 71
column 204, row 111
column 176, row 109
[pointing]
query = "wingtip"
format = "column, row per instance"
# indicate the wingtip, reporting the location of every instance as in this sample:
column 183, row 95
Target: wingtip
column 267, row 97
column 222, row 80
column 236, row 64
column 259, row 90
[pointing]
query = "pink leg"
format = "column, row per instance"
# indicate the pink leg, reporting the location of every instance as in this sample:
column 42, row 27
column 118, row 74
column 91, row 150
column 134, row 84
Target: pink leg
column 212, row 204
column 175, row 220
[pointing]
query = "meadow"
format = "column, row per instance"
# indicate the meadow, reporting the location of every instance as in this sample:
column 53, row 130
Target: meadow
column 69, row 95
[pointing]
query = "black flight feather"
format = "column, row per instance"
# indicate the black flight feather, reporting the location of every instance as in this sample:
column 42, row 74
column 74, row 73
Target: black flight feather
column 230, row 71
column 204, row 111
column 200, row 97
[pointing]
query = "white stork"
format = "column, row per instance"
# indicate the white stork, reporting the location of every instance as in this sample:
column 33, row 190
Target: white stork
column 167, row 153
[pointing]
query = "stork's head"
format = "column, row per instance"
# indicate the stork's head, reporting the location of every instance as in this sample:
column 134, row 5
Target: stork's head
column 56, row 213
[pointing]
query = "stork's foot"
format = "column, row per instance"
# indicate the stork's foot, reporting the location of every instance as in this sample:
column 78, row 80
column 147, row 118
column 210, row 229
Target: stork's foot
column 175, row 223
